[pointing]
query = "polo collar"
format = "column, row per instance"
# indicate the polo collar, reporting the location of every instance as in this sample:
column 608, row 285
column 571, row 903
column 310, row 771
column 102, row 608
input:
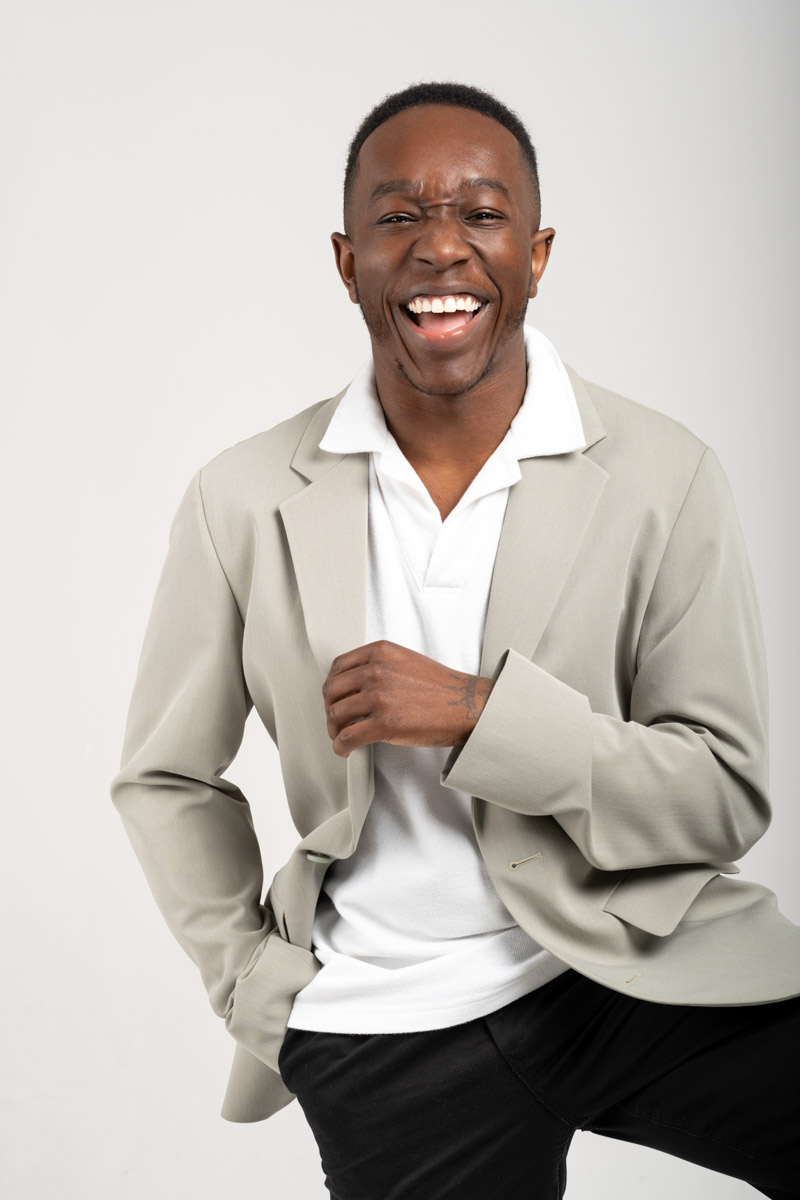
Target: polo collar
column 547, row 422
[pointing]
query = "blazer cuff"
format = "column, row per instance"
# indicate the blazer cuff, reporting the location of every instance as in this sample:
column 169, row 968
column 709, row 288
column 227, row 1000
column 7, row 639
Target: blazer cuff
column 531, row 743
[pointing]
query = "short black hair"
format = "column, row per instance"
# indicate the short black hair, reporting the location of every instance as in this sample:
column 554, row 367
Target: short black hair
column 458, row 95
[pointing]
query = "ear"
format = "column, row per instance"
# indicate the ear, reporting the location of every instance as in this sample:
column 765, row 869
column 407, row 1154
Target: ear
column 345, row 263
column 541, row 243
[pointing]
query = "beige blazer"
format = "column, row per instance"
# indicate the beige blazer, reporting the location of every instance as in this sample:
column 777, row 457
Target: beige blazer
column 617, row 769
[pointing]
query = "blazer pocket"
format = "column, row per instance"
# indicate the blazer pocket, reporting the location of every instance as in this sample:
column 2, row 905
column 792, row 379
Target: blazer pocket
column 656, row 898
column 264, row 995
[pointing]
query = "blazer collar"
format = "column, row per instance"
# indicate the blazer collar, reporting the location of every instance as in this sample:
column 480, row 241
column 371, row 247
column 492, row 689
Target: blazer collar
column 593, row 429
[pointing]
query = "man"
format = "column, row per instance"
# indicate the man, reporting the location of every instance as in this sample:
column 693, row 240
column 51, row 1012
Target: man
column 501, row 626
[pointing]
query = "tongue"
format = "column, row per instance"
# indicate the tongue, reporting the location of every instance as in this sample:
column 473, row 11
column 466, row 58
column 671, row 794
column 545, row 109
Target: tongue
column 443, row 322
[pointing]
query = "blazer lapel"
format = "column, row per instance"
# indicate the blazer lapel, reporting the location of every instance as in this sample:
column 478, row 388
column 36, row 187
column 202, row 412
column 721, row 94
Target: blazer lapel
column 326, row 527
column 547, row 517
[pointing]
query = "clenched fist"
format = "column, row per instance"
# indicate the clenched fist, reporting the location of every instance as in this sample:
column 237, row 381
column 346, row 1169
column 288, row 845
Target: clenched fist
column 383, row 692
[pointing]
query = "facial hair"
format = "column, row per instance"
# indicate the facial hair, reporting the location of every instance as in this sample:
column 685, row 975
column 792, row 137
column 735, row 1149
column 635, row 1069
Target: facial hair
column 378, row 329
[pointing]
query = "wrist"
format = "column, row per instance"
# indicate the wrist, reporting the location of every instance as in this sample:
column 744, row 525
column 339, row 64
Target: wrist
column 477, row 691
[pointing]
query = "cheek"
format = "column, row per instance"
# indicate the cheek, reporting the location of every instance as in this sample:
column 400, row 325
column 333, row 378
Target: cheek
column 509, row 265
column 371, row 273
column 371, row 306
column 368, row 295
column 521, row 282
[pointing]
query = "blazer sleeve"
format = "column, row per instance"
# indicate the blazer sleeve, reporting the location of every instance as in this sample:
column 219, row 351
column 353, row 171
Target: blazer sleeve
column 191, row 829
column 684, row 780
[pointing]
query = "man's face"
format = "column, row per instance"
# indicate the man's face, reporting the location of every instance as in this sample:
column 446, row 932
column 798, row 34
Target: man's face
column 442, row 217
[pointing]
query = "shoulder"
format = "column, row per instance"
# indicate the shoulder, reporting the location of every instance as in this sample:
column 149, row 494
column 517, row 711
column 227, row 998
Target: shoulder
column 633, row 427
column 646, row 451
column 241, row 489
column 257, row 473
column 264, row 457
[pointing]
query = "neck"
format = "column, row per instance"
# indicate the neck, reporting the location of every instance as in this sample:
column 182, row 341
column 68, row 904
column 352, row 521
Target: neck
column 441, row 432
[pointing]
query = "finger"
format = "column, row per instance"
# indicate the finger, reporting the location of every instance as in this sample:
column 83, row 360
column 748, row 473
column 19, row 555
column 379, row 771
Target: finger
column 360, row 733
column 336, row 687
column 358, row 656
column 344, row 712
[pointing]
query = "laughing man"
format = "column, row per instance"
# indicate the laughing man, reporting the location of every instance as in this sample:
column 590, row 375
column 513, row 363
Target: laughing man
column 501, row 626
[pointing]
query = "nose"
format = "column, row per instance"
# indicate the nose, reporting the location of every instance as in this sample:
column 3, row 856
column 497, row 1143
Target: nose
column 440, row 241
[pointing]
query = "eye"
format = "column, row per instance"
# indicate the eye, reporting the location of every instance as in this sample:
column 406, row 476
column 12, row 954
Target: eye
column 485, row 215
column 395, row 219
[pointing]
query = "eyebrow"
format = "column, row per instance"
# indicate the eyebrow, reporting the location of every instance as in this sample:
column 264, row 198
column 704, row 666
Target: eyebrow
column 413, row 187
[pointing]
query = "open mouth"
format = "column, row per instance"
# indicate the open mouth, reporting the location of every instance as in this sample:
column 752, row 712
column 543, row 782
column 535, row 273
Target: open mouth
column 438, row 316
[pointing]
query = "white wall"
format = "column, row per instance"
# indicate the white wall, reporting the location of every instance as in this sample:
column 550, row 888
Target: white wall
column 170, row 174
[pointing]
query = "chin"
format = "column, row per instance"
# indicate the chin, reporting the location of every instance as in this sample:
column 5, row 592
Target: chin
column 444, row 383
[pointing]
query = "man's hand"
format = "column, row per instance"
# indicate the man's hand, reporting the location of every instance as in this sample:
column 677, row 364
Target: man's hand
column 383, row 692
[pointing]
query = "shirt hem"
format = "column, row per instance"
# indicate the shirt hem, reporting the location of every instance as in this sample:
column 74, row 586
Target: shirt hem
column 389, row 1020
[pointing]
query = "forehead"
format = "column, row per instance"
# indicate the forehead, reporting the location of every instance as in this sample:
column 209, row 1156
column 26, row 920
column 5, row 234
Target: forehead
column 438, row 145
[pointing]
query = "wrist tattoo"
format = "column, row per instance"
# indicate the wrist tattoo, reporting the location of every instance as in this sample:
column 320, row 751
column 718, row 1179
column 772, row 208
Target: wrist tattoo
column 469, row 694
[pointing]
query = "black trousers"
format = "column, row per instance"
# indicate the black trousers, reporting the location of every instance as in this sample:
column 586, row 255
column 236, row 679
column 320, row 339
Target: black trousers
column 486, row 1110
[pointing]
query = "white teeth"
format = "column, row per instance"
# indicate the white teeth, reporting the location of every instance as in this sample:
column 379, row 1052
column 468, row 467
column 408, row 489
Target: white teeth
column 443, row 304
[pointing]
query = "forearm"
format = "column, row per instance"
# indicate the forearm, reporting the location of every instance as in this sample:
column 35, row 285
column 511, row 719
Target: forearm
column 628, row 795
column 199, row 853
column 680, row 776
column 191, row 829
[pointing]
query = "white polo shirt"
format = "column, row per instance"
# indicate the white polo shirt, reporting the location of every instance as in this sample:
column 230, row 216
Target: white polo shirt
column 410, row 931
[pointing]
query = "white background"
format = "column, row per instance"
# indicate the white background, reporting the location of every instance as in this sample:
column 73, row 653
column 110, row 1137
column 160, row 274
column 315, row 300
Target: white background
column 170, row 174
